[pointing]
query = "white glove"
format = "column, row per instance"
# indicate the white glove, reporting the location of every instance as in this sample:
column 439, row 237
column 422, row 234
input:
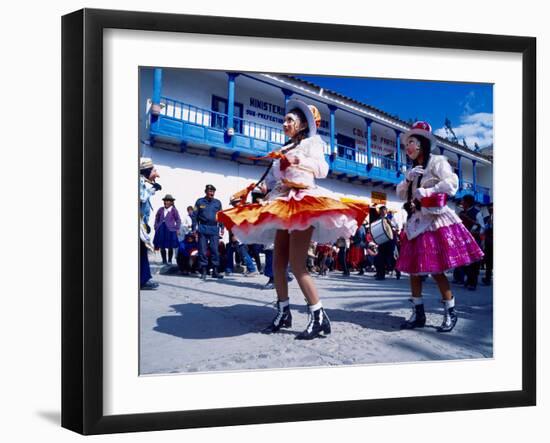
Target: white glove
column 421, row 193
column 417, row 171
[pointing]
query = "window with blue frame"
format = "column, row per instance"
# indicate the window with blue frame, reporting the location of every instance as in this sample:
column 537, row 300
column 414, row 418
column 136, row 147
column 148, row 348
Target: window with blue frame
column 346, row 146
column 219, row 116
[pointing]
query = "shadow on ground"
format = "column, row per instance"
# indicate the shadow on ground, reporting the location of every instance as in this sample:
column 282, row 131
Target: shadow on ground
column 197, row 321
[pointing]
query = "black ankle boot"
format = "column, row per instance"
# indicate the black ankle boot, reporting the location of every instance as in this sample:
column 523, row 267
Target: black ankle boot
column 283, row 319
column 449, row 320
column 318, row 323
column 216, row 274
column 417, row 319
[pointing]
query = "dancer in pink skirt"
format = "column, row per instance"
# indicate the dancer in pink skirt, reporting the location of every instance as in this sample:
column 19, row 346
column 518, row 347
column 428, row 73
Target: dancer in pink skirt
column 434, row 239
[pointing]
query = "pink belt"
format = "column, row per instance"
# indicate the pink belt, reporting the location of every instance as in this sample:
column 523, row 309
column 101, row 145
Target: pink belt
column 434, row 201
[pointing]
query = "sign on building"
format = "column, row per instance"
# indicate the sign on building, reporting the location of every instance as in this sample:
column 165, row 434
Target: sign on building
column 379, row 198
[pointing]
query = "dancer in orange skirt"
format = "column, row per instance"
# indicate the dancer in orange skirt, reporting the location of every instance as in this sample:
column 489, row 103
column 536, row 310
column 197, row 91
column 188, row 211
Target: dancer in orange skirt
column 294, row 213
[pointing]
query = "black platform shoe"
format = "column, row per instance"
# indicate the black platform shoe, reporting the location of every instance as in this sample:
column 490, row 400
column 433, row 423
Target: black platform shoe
column 318, row 323
column 283, row 319
column 449, row 320
column 417, row 319
column 216, row 274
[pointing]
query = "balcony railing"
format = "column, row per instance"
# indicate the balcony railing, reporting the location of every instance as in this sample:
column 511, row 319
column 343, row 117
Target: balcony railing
column 205, row 117
column 259, row 131
column 384, row 162
column 193, row 114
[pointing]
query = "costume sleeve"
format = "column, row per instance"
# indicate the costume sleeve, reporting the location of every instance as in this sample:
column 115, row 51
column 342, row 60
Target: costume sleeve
column 402, row 190
column 448, row 183
column 314, row 159
column 145, row 192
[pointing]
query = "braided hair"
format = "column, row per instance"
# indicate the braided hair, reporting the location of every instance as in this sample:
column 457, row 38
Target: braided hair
column 425, row 148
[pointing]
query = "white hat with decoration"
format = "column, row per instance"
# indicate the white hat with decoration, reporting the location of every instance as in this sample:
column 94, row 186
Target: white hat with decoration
column 422, row 129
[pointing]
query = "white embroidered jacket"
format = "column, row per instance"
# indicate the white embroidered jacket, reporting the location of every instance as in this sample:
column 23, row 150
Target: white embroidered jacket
column 438, row 177
column 312, row 165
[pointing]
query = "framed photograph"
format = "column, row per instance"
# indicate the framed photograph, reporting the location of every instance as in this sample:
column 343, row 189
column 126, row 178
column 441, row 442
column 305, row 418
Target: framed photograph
column 270, row 221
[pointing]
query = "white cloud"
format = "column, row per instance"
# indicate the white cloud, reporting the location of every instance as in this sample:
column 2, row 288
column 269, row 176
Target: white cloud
column 474, row 128
column 469, row 103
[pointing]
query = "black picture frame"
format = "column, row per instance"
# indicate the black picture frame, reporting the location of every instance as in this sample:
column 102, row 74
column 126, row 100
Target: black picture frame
column 82, row 230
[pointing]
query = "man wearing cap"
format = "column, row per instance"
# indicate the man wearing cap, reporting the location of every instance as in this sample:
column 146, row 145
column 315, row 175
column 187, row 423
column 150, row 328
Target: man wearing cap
column 209, row 230
column 147, row 188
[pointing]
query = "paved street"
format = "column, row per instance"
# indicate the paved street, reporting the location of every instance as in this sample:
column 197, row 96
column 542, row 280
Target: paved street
column 190, row 325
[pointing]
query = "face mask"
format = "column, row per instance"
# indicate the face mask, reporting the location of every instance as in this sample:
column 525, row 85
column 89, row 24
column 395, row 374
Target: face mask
column 297, row 123
column 413, row 148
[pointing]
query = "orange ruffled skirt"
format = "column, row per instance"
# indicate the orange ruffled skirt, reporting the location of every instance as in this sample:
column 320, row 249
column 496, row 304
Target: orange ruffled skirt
column 331, row 218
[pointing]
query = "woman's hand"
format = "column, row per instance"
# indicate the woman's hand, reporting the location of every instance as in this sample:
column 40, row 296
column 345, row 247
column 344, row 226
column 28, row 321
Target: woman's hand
column 417, row 171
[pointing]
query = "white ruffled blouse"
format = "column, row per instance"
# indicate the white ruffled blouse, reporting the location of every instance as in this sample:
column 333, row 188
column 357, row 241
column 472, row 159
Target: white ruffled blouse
column 312, row 165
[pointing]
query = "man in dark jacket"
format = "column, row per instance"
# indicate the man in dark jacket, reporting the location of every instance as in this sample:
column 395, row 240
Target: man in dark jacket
column 209, row 230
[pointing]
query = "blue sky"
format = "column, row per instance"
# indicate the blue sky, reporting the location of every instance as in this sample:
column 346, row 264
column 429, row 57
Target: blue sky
column 469, row 106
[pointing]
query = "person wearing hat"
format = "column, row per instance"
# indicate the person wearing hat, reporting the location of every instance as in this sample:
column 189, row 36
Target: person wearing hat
column 295, row 212
column 147, row 188
column 434, row 239
column 167, row 225
column 209, row 230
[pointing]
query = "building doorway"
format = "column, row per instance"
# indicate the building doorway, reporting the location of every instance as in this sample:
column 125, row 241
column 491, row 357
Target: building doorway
column 346, row 146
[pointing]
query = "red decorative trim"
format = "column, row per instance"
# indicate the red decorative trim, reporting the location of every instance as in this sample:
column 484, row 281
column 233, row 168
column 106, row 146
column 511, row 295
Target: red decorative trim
column 434, row 201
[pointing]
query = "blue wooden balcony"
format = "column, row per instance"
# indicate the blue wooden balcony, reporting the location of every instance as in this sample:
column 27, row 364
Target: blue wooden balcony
column 354, row 164
column 482, row 194
column 181, row 123
column 184, row 124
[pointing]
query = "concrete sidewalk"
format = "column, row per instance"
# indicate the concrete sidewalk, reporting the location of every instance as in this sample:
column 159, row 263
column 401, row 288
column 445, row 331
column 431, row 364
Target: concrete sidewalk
column 190, row 325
